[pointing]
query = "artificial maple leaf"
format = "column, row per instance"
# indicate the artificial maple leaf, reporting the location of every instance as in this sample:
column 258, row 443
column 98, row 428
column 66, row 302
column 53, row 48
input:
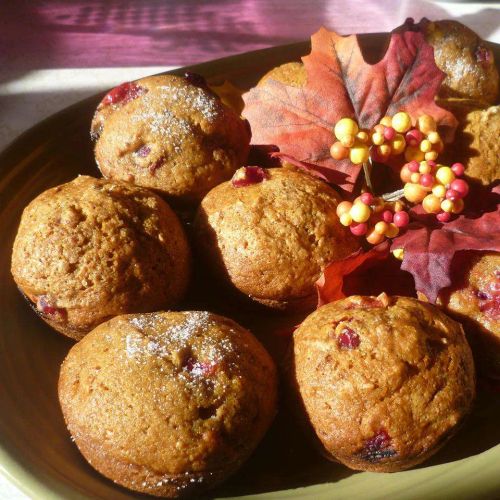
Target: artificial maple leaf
column 330, row 284
column 300, row 120
column 429, row 249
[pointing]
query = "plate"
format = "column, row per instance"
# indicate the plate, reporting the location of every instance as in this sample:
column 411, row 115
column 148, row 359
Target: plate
column 36, row 452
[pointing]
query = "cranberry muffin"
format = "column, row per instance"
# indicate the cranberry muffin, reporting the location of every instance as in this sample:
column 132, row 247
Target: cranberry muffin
column 383, row 382
column 475, row 301
column 169, row 134
column 270, row 233
column 477, row 144
column 90, row 249
column 293, row 74
column 168, row 403
column 468, row 63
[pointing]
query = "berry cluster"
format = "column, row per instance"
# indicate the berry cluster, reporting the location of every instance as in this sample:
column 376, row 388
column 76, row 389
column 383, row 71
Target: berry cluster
column 391, row 137
column 436, row 187
column 372, row 216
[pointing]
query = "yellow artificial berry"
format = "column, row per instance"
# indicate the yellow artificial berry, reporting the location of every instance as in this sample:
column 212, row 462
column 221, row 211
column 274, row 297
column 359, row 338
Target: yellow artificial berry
column 377, row 138
column 398, row 253
column 439, row 190
column 401, row 122
column 398, row 144
column 381, row 227
column 431, row 155
column 424, row 168
column 426, row 124
column 360, row 212
column 363, row 136
column 344, row 207
column 347, row 141
column 359, row 153
column 345, row 127
column 447, row 206
column 384, row 150
column 346, row 219
column 338, row 151
column 433, row 137
column 386, row 121
column 425, row 146
column 415, row 177
column 398, row 206
column 458, row 206
column 414, row 153
column 374, row 238
column 414, row 193
column 445, row 175
column 392, row 230
column 431, row 204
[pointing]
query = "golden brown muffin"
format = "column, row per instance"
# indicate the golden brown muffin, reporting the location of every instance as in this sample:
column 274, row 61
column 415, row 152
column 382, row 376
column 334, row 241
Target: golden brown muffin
column 166, row 133
column 477, row 144
column 384, row 382
column 293, row 74
column 168, row 403
column 271, row 232
column 91, row 249
column 475, row 300
column 467, row 61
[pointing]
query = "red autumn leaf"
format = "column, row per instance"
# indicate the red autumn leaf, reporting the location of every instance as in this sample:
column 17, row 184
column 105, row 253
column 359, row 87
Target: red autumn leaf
column 300, row 120
column 429, row 250
column 330, row 283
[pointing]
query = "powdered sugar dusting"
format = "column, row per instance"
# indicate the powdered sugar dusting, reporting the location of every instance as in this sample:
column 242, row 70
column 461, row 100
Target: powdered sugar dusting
column 193, row 97
column 165, row 340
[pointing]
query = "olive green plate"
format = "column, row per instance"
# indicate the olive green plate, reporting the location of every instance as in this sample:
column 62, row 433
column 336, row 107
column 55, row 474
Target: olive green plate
column 36, row 452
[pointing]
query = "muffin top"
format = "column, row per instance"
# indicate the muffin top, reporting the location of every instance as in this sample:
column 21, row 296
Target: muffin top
column 383, row 380
column 173, row 393
column 273, row 238
column 165, row 133
column 476, row 296
column 93, row 248
column 467, row 61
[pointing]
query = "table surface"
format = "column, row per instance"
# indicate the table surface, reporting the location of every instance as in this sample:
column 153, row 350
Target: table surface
column 54, row 53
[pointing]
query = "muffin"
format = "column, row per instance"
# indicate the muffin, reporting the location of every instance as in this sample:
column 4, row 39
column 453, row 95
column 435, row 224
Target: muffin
column 90, row 249
column 293, row 74
column 269, row 233
column 466, row 60
column 168, row 134
column 168, row 403
column 383, row 382
column 477, row 144
column 475, row 301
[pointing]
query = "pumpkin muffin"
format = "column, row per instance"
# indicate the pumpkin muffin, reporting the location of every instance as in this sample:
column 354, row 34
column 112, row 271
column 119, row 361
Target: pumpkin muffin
column 466, row 60
column 171, row 134
column 475, row 301
column 168, row 403
column 383, row 382
column 90, row 249
column 271, row 232
column 477, row 144
column 293, row 74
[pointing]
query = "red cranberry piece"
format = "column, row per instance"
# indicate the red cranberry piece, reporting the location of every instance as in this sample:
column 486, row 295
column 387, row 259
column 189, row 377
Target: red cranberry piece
column 482, row 55
column 246, row 176
column 155, row 165
column 196, row 79
column 53, row 312
column 378, row 447
column 124, row 93
column 202, row 368
column 348, row 339
column 143, row 151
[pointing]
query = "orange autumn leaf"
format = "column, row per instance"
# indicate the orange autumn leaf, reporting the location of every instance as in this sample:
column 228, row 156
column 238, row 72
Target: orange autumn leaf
column 340, row 83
